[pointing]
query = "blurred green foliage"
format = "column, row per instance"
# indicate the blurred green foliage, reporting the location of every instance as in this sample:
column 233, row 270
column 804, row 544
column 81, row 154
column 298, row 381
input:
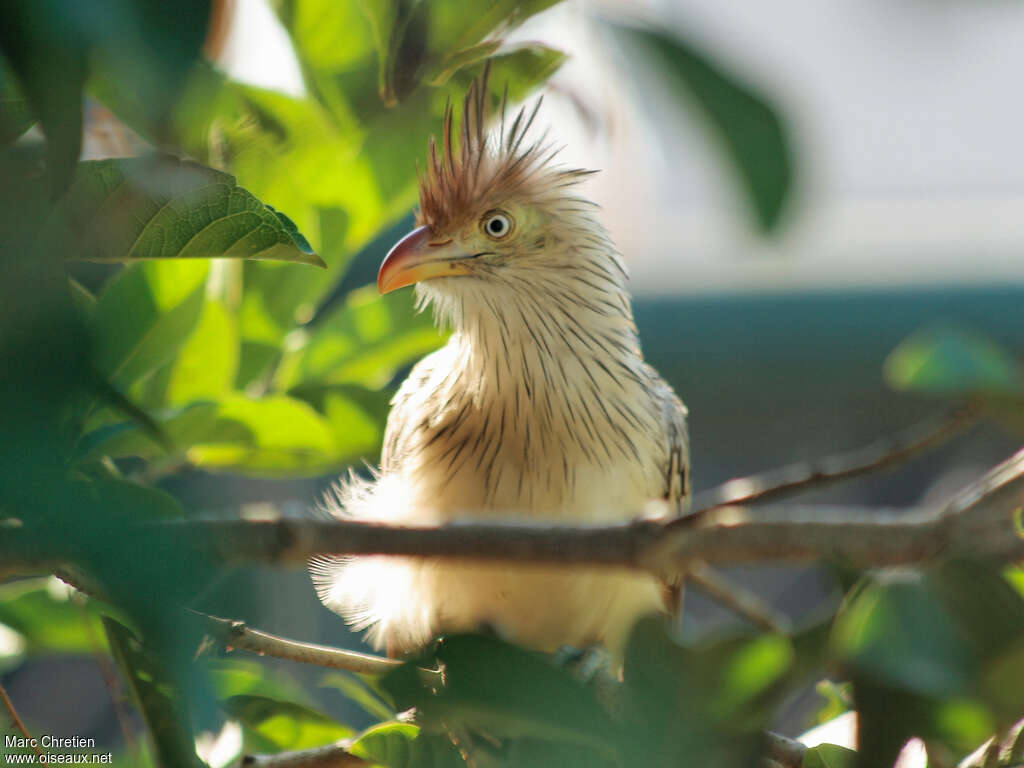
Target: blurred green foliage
column 213, row 340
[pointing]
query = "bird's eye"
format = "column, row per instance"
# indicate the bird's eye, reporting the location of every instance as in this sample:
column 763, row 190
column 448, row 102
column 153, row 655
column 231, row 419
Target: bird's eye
column 496, row 225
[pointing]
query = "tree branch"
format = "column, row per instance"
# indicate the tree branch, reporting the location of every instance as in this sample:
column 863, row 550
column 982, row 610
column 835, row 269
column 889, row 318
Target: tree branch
column 16, row 720
column 739, row 600
column 886, row 453
column 980, row 521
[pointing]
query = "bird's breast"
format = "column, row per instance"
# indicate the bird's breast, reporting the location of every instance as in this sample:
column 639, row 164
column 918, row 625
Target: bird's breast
column 546, row 439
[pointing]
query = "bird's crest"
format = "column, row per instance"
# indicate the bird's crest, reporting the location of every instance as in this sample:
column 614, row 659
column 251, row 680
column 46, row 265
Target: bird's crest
column 460, row 179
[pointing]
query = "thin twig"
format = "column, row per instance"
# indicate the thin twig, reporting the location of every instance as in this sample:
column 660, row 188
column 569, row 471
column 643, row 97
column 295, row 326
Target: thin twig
column 236, row 634
column 883, row 454
column 17, row 721
column 740, row 600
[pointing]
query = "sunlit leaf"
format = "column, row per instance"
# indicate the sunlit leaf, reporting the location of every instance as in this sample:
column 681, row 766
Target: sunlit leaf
column 355, row 690
column 750, row 130
column 284, row 724
column 403, row 745
column 365, row 341
column 159, row 207
column 829, row 756
column 42, row 612
column 144, row 316
column 206, row 366
column 274, row 434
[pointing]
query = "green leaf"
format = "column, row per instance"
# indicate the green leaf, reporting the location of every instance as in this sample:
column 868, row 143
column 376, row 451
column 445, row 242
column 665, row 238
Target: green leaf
column 366, row 340
column 47, row 48
column 144, row 49
column 829, row 756
column 355, row 690
column 464, row 58
column 402, row 745
column 206, row 366
column 144, row 315
column 328, row 35
column 518, row 68
column 459, row 27
column 497, row 688
column 239, row 677
column 934, row 654
column 897, row 632
column 159, row 207
column 42, row 611
column 15, row 113
column 156, row 696
column 948, row 360
column 753, row 135
column 704, row 705
column 284, row 724
column 273, row 435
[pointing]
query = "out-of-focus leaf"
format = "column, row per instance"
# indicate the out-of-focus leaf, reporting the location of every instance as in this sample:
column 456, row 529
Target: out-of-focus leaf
column 327, row 35
column 464, row 58
column 749, row 128
column 932, row 655
column 207, row 363
column 699, row 706
column 239, row 677
column 948, row 360
column 400, row 34
column 160, row 207
column 47, row 48
column 184, row 427
column 364, row 341
column 275, row 434
column 518, row 68
column 284, row 724
column 156, row 696
column 144, row 316
column 144, row 47
column 355, row 690
column 403, row 745
column 503, row 690
column 829, row 756
column 41, row 611
column 897, row 632
column 15, row 113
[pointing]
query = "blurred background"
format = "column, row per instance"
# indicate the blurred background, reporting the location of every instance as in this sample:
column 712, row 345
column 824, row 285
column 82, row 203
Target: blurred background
column 905, row 214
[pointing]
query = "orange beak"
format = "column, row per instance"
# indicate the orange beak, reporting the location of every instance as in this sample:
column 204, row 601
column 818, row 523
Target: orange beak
column 415, row 258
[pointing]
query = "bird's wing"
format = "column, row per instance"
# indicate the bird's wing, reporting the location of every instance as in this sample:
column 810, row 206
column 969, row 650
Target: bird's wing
column 677, row 475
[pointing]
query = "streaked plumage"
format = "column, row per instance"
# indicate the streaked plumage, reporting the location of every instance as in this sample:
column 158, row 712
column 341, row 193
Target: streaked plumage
column 540, row 406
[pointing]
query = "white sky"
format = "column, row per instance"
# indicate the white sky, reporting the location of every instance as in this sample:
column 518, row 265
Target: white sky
column 908, row 115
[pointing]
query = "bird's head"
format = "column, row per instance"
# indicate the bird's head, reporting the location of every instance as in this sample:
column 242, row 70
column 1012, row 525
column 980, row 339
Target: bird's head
column 500, row 223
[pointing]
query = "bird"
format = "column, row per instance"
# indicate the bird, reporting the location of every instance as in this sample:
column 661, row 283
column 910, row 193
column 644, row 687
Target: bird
column 539, row 408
